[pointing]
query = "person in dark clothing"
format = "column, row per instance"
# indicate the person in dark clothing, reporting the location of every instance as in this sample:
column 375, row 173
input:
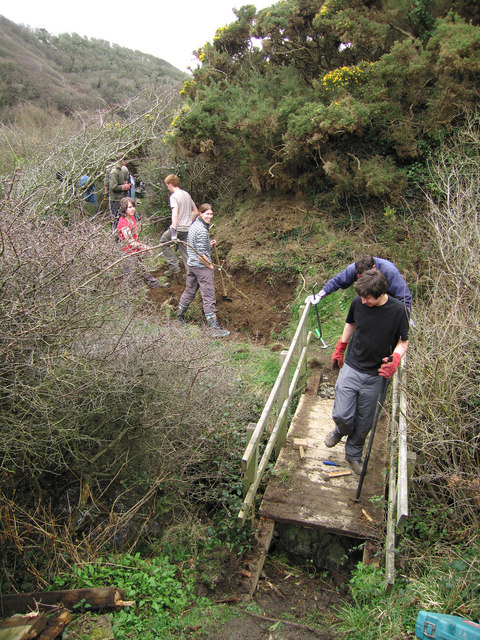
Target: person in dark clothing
column 396, row 285
column 376, row 333
column 118, row 181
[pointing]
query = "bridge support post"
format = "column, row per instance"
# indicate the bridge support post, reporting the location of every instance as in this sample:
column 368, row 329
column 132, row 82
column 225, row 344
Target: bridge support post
column 250, row 473
column 283, row 393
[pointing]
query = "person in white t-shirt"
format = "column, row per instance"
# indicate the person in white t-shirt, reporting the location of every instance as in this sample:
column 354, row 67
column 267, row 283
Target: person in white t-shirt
column 184, row 212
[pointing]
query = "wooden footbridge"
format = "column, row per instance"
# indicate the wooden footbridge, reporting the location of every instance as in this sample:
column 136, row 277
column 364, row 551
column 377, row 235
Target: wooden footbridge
column 305, row 488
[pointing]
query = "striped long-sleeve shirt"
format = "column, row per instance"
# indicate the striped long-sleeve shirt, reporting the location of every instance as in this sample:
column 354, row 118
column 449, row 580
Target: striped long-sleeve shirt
column 198, row 237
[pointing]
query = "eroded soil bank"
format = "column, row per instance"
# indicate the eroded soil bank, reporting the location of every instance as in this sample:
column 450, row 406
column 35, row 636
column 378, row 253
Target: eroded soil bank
column 258, row 305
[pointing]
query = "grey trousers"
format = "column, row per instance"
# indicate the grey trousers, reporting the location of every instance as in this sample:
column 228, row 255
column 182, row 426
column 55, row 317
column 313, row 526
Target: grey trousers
column 167, row 250
column 356, row 396
column 200, row 278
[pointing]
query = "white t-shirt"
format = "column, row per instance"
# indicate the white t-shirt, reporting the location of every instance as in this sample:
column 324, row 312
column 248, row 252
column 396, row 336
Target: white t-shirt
column 185, row 204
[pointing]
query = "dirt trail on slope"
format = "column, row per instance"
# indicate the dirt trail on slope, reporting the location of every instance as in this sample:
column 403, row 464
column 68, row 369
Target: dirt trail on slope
column 259, row 307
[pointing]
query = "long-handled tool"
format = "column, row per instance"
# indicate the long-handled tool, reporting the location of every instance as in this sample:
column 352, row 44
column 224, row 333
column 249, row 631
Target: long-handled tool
column 224, row 297
column 380, row 400
column 318, row 331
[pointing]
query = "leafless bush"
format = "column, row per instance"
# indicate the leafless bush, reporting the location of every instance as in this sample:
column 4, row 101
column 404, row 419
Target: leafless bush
column 88, row 145
column 110, row 415
column 444, row 370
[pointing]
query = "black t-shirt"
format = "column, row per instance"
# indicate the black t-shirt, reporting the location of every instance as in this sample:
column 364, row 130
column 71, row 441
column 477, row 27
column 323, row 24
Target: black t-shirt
column 377, row 332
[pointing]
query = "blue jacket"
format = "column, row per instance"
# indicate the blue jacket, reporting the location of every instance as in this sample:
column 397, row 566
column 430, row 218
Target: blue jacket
column 397, row 287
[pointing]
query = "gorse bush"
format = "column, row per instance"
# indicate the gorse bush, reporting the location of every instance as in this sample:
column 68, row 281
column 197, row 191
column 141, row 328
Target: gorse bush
column 330, row 78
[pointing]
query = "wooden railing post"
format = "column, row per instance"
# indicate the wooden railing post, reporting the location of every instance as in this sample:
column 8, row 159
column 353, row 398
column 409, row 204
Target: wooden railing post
column 250, row 473
column 276, row 411
column 402, row 482
column 283, row 393
column 302, row 341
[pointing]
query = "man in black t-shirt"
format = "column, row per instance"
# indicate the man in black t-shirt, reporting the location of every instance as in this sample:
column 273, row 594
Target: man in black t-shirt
column 376, row 333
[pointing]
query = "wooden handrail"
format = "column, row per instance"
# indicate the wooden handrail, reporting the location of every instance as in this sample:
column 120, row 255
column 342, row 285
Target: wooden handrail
column 397, row 509
column 281, row 395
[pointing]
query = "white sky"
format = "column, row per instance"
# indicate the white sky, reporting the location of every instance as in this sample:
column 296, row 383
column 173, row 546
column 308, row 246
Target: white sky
column 169, row 30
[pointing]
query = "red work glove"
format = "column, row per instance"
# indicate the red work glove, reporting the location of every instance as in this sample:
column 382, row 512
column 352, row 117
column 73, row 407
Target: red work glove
column 391, row 365
column 337, row 356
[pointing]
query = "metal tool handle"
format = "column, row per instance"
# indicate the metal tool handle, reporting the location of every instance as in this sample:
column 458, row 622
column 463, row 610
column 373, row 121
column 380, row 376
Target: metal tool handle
column 319, row 330
column 380, row 400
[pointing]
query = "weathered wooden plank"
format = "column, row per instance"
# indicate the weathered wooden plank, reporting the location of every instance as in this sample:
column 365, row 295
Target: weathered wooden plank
column 256, row 557
column 402, row 480
column 298, row 493
column 272, row 399
column 23, row 627
column 97, row 598
column 56, row 623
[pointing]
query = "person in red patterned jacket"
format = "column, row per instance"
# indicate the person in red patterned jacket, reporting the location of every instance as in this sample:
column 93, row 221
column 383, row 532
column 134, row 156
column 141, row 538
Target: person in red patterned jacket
column 128, row 233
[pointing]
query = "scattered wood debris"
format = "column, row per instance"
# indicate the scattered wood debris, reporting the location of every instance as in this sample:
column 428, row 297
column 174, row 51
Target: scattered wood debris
column 97, row 598
column 50, row 624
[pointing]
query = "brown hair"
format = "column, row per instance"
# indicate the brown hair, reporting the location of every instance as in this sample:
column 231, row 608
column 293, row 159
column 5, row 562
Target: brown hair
column 172, row 179
column 364, row 262
column 124, row 202
column 371, row 283
column 205, row 207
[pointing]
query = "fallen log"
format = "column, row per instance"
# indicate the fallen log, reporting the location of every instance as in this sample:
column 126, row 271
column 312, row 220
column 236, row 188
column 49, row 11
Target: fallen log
column 23, row 627
column 97, row 598
column 56, row 623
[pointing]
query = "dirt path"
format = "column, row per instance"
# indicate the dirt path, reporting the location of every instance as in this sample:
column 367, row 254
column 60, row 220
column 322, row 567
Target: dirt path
column 290, row 603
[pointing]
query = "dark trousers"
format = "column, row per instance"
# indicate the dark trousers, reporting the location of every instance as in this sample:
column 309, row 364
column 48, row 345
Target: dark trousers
column 115, row 216
column 134, row 272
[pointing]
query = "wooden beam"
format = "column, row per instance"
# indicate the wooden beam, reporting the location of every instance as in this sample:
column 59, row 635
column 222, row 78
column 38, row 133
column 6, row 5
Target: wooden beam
column 56, row 624
column 97, row 598
column 402, row 481
column 23, row 627
column 256, row 558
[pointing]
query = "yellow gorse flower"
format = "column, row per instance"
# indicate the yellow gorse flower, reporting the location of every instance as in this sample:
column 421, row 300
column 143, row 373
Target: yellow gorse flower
column 343, row 76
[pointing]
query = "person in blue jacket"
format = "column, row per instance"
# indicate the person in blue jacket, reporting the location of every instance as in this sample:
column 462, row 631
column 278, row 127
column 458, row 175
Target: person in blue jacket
column 396, row 285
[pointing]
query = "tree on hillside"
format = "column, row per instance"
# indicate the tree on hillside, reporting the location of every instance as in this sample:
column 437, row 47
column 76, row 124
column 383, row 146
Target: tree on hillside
column 73, row 73
column 342, row 98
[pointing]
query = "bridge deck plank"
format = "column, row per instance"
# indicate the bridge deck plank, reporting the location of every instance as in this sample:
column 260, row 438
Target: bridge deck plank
column 298, row 494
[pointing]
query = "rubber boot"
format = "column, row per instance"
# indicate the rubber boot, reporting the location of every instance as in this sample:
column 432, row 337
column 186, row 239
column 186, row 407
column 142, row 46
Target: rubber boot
column 216, row 329
column 181, row 313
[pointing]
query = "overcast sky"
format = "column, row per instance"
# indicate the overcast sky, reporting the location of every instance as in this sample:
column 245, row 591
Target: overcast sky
column 169, row 30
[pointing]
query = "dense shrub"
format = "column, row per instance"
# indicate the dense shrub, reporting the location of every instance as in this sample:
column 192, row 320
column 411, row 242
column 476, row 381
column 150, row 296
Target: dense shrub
column 444, row 371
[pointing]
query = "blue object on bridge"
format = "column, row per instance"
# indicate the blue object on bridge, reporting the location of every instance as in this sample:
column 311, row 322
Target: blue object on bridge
column 332, row 464
column 440, row 626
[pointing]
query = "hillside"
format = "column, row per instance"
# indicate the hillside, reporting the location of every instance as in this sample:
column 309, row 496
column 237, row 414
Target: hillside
column 71, row 72
column 353, row 129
